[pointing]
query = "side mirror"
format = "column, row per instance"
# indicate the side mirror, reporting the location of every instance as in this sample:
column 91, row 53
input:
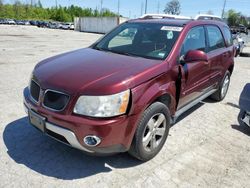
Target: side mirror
column 194, row 56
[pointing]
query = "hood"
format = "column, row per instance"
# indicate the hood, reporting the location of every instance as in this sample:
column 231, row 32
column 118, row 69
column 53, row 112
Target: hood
column 93, row 72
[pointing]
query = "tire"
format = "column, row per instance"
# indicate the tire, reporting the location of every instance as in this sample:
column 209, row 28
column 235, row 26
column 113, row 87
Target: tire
column 237, row 53
column 221, row 93
column 150, row 136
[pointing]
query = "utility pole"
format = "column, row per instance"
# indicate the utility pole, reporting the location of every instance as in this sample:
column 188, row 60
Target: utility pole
column 118, row 12
column 223, row 10
column 146, row 6
column 101, row 7
column 56, row 3
column 158, row 7
column 142, row 7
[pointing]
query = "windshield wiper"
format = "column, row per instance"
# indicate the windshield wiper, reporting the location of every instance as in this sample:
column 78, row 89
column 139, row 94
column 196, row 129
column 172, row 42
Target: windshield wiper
column 125, row 53
column 98, row 48
column 122, row 53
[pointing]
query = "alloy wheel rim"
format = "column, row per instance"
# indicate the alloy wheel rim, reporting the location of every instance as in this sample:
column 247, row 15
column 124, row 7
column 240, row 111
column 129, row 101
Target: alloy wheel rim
column 154, row 132
column 225, row 86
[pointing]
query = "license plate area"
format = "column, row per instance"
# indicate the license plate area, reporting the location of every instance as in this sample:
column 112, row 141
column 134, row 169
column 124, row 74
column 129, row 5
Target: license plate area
column 37, row 121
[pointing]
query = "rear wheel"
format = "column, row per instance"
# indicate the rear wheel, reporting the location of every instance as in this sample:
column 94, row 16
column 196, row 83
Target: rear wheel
column 221, row 93
column 151, row 132
column 237, row 53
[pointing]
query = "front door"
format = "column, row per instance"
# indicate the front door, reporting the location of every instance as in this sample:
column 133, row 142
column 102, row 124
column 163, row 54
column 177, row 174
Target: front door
column 195, row 75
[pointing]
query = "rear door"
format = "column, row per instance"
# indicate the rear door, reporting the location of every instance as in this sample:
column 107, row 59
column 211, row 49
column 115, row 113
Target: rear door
column 218, row 53
column 195, row 81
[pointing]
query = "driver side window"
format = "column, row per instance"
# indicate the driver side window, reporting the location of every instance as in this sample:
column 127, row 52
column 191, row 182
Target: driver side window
column 195, row 40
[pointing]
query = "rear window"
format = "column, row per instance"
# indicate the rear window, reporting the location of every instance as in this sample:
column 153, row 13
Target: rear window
column 228, row 36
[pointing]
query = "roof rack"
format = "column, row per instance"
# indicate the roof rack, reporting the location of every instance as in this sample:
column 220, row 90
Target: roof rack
column 162, row 16
column 170, row 16
column 207, row 17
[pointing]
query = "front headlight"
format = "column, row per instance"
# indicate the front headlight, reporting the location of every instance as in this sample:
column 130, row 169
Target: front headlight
column 103, row 106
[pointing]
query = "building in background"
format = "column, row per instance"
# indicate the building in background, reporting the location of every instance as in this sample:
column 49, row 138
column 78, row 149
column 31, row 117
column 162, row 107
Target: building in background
column 97, row 24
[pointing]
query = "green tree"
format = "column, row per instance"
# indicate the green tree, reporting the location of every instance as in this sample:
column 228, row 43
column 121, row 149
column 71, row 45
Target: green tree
column 235, row 18
column 61, row 15
column 19, row 10
column 1, row 7
column 173, row 7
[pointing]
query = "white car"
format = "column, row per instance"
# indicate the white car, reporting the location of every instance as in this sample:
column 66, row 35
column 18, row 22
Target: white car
column 68, row 26
column 11, row 22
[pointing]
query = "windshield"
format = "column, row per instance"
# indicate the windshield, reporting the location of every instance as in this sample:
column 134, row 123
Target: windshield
column 148, row 40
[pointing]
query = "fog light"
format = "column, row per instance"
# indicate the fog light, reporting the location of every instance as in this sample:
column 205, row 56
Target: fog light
column 92, row 141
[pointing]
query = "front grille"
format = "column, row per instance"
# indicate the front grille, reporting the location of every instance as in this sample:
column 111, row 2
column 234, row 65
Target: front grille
column 55, row 100
column 34, row 91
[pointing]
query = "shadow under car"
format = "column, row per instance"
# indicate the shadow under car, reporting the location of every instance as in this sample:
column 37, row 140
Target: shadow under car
column 29, row 147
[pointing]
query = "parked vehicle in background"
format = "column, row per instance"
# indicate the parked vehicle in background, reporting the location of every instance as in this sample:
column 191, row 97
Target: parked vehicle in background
column 26, row 22
column 5, row 21
column 68, row 26
column 20, row 22
column 72, row 26
column 10, row 22
column 238, row 43
column 122, row 93
column 33, row 22
column 243, row 29
column 58, row 25
column 239, row 29
column 234, row 29
column 2, row 21
column 42, row 24
column 244, row 103
column 52, row 25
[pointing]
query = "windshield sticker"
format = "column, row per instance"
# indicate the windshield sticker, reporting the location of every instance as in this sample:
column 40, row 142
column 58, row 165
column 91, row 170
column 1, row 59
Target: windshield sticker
column 171, row 28
column 170, row 35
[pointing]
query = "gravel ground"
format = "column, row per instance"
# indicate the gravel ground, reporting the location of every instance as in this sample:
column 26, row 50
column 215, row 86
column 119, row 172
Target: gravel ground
column 206, row 148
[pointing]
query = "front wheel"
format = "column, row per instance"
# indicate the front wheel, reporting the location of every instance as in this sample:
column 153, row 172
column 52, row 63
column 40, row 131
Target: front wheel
column 221, row 93
column 151, row 133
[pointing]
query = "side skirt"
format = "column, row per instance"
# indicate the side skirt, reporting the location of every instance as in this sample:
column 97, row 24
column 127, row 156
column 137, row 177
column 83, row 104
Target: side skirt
column 190, row 105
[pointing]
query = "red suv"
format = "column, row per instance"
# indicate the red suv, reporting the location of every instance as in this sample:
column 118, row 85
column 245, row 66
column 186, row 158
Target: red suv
column 123, row 92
